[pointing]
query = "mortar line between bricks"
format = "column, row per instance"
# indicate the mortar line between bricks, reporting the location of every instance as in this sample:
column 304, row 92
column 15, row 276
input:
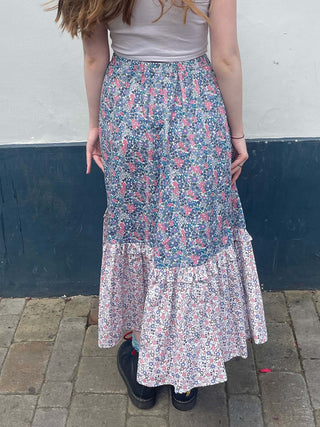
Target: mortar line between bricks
column 260, row 396
column 315, row 305
column 127, row 411
column 35, row 407
column 227, row 400
column 76, row 372
column 169, row 405
column 20, row 316
column 300, row 358
column 294, row 332
column 73, row 392
column 4, row 359
column 150, row 416
column 104, row 393
column 12, row 339
column 246, row 394
column 45, row 372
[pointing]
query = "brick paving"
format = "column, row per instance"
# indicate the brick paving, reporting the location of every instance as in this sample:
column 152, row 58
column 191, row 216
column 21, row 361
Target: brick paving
column 54, row 375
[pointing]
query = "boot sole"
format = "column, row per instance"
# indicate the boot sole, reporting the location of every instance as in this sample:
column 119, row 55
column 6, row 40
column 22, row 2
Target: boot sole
column 136, row 400
column 184, row 406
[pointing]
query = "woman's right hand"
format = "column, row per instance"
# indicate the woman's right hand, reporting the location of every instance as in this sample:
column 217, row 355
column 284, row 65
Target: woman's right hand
column 93, row 150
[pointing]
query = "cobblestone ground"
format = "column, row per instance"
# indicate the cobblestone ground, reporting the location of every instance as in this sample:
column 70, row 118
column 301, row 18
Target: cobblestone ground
column 53, row 374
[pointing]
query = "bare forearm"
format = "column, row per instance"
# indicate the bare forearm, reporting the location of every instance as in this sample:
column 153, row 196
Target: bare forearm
column 229, row 75
column 94, row 70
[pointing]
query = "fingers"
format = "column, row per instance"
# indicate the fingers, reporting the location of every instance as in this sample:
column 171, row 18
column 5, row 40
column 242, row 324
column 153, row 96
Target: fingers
column 235, row 176
column 98, row 159
column 236, row 166
column 93, row 151
column 238, row 163
column 241, row 156
column 89, row 160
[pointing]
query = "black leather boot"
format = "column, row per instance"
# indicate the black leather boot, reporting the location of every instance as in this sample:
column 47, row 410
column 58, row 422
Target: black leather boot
column 143, row 397
column 184, row 401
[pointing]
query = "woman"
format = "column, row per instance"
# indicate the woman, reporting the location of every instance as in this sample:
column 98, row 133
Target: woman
column 165, row 127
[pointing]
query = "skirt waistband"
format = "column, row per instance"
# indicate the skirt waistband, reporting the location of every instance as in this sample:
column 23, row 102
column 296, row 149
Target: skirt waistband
column 134, row 59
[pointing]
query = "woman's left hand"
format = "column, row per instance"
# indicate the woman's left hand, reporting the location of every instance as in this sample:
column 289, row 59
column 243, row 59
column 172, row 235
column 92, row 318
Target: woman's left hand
column 240, row 157
column 93, row 150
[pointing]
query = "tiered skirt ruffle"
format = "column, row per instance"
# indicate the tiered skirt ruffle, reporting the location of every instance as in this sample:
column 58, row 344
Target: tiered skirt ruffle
column 192, row 319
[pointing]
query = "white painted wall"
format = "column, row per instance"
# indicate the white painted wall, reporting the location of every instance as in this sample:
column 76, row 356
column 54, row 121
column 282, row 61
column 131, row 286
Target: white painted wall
column 279, row 42
column 42, row 95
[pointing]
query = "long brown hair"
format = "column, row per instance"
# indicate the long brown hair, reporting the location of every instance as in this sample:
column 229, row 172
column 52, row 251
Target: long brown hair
column 80, row 16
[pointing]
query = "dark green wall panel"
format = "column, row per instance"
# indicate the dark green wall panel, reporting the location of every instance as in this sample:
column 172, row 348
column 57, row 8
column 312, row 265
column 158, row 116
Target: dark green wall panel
column 51, row 222
column 51, row 217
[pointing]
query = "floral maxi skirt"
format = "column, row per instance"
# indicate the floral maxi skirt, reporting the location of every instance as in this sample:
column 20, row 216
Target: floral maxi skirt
column 177, row 261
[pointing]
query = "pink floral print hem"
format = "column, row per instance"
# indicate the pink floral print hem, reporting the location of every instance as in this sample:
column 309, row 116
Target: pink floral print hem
column 192, row 319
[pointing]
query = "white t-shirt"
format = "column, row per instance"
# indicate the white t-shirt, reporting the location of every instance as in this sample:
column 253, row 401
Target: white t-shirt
column 166, row 40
